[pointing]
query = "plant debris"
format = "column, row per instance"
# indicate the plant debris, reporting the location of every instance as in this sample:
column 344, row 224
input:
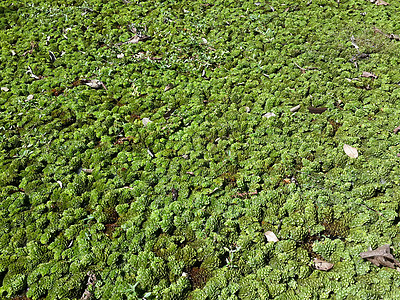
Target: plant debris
column 168, row 87
column 269, row 115
column 350, row 151
column 94, row 83
column 271, row 237
column 295, row 108
column 369, row 75
column 397, row 129
column 322, row 265
column 390, row 36
column 381, row 257
column 379, row 2
column 317, row 110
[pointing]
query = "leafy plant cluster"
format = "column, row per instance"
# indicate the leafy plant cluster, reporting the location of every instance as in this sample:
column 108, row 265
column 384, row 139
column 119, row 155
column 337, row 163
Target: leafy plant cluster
column 177, row 207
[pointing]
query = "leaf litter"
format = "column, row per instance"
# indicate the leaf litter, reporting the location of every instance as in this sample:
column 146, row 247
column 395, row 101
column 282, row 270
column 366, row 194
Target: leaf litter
column 350, row 151
column 381, row 257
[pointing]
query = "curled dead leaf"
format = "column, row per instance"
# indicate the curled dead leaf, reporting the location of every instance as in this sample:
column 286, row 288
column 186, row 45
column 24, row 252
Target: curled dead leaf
column 168, row 87
column 381, row 257
column 5, row 89
column 271, row 237
column 350, row 151
column 322, row 265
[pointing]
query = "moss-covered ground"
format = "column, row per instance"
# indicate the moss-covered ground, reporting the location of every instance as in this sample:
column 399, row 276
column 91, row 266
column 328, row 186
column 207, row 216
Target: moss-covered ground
column 161, row 182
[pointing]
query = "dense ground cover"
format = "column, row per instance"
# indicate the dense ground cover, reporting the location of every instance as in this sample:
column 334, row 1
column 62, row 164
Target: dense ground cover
column 160, row 179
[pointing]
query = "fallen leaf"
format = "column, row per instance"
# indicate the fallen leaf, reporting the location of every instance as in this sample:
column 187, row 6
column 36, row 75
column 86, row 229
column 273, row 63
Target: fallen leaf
column 271, row 237
column 52, row 57
column 121, row 55
column 322, row 265
column 269, row 115
column 394, row 37
column 397, row 129
column 87, row 171
column 350, row 151
column 368, row 74
column 381, row 2
column 381, row 257
column 295, row 108
column 316, row 110
column 128, row 187
column 146, row 121
column 247, row 109
column 137, row 38
column 5, row 89
column 94, row 83
column 30, row 97
column 168, row 87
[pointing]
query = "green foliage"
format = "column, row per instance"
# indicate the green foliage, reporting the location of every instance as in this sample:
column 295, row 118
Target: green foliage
column 151, row 209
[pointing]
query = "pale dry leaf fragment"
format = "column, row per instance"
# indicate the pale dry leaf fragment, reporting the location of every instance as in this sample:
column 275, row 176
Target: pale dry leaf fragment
column 247, row 109
column 30, row 97
column 87, row 170
column 150, row 153
column 121, row 55
column 94, row 83
column 369, row 74
column 269, row 115
column 397, row 129
column 60, row 183
column 137, row 38
column 168, row 87
column 128, row 187
column 295, row 108
column 381, row 257
column 271, row 237
column 350, row 151
column 381, row 2
column 146, row 121
column 5, row 89
column 322, row 265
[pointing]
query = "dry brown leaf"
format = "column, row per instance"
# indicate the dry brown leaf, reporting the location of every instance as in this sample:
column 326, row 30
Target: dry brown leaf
column 397, row 129
column 316, row 110
column 368, row 74
column 381, row 257
column 350, row 151
column 271, row 237
column 322, row 265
